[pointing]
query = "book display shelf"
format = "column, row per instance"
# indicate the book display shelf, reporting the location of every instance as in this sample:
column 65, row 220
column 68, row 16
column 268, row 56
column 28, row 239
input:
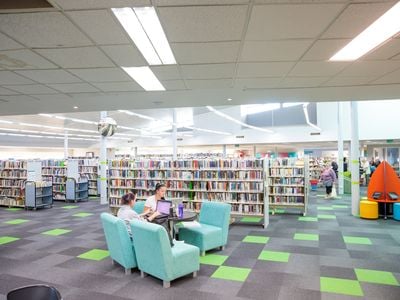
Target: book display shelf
column 89, row 168
column 56, row 172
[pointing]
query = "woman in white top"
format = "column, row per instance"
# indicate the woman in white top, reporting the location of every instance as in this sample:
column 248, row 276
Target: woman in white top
column 127, row 213
column 151, row 202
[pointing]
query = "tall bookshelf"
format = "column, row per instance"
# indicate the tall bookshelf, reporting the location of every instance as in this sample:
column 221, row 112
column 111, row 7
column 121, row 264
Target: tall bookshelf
column 287, row 183
column 89, row 168
column 13, row 177
column 237, row 182
column 56, row 172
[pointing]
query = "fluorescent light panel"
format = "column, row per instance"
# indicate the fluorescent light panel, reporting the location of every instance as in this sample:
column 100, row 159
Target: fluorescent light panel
column 145, row 78
column 378, row 32
column 225, row 116
column 144, row 28
column 258, row 108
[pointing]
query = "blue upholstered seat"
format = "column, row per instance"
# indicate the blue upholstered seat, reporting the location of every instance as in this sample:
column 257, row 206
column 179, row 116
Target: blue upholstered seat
column 156, row 257
column 213, row 232
column 139, row 206
column 119, row 242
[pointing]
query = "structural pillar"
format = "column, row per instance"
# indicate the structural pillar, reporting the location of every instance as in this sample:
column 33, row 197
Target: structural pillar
column 103, row 165
column 224, row 151
column 65, row 144
column 355, row 152
column 340, row 148
column 174, row 136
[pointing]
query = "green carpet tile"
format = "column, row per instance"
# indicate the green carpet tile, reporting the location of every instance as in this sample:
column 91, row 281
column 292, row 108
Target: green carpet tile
column 274, row 256
column 95, row 254
column 56, row 232
column 357, row 240
column 231, row 273
column 70, row 206
column 306, row 237
column 213, row 259
column 326, row 216
column 251, row 219
column 341, row 286
column 82, row 215
column 374, row 276
column 16, row 221
column 256, row 239
column 308, row 219
column 7, row 239
column 14, row 209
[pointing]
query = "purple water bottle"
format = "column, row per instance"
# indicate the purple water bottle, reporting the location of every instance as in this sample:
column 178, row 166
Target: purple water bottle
column 180, row 210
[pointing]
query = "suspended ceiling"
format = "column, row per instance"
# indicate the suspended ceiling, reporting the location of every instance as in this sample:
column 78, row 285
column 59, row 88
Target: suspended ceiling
column 52, row 59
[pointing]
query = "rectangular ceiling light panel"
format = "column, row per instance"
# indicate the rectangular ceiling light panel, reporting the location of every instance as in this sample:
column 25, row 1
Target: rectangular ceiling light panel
column 144, row 28
column 145, row 78
column 377, row 33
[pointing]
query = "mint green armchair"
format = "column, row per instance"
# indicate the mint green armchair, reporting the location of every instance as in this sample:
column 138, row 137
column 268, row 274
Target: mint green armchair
column 156, row 257
column 119, row 243
column 139, row 206
column 213, row 232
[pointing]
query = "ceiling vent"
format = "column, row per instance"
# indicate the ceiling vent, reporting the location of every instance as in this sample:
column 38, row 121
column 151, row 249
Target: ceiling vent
column 24, row 4
column 240, row 136
column 315, row 133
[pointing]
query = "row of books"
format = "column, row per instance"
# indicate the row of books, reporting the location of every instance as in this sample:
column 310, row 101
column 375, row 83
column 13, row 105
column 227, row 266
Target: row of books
column 54, row 163
column 13, row 164
column 10, row 192
column 287, row 181
column 286, row 172
column 87, row 170
column 286, row 190
column 13, row 173
column 286, row 199
column 12, row 183
column 5, row 201
column 286, row 162
column 58, row 172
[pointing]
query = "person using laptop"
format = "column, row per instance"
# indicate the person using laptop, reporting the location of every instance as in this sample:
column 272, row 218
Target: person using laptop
column 127, row 214
column 151, row 202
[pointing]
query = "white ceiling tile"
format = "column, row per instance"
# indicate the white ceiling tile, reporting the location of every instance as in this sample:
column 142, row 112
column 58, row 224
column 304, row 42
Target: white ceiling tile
column 23, row 59
column 171, row 85
column 4, row 91
column 295, row 82
column 118, row 86
column 32, row 89
column 391, row 78
column 200, row 53
column 8, row 77
column 203, row 23
column 166, row 72
column 388, row 50
column 100, row 26
column 125, row 55
column 94, row 4
column 74, row 88
column 397, row 57
column 101, row 74
column 268, row 22
column 209, row 84
column 49, row 76
column 8, row 44
column 208, row 71
column 317, row 68
column 355, row 19
column 257, row 83
column 82, row 57
column 44, row 29
column 288, row 50
column 325, row 49
column 18, row 98
column 370, row 68
column 348, row 81
column 198, row 2
column 266, row 69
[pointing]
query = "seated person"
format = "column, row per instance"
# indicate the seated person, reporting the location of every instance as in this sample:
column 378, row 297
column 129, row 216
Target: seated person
column 151, row 202
column 127, row 214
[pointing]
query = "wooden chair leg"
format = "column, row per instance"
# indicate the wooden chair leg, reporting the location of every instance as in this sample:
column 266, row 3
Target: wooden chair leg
column 142, row 274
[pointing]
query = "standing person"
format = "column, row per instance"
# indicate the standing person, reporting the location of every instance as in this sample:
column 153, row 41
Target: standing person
column 335, row 167
column 151, row 202
column 367, row 170
column 344, row 164
column 328, row 179
column 127, row 213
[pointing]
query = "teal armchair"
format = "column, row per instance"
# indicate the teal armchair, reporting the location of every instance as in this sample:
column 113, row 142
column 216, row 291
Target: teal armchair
column 213, row 230
column 119, row 243
column 156, row 257
column 139, row 206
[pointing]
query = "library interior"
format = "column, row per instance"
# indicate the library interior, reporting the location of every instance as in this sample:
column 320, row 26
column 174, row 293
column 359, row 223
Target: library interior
column 199, row 149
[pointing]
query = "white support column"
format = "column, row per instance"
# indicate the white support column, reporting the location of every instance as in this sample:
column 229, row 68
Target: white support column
column 224, row 151
column 254, row 151
column 65, row 144
column 136, row 152
column 355, row 152
column 103, row 165
column 340, row 148
column 174, row 136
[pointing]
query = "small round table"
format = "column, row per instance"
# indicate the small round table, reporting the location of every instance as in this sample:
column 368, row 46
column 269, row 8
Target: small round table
column 187, row 216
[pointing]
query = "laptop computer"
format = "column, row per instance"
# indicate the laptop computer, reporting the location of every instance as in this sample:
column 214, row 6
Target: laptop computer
column 163, row 207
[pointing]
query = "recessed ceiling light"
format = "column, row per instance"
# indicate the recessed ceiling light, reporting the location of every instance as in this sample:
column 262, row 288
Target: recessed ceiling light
column 229, row 99
column 76, row 107
column 375, row 34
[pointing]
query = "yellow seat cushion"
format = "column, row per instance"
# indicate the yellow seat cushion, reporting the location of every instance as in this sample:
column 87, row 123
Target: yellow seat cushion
column 368, row 209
